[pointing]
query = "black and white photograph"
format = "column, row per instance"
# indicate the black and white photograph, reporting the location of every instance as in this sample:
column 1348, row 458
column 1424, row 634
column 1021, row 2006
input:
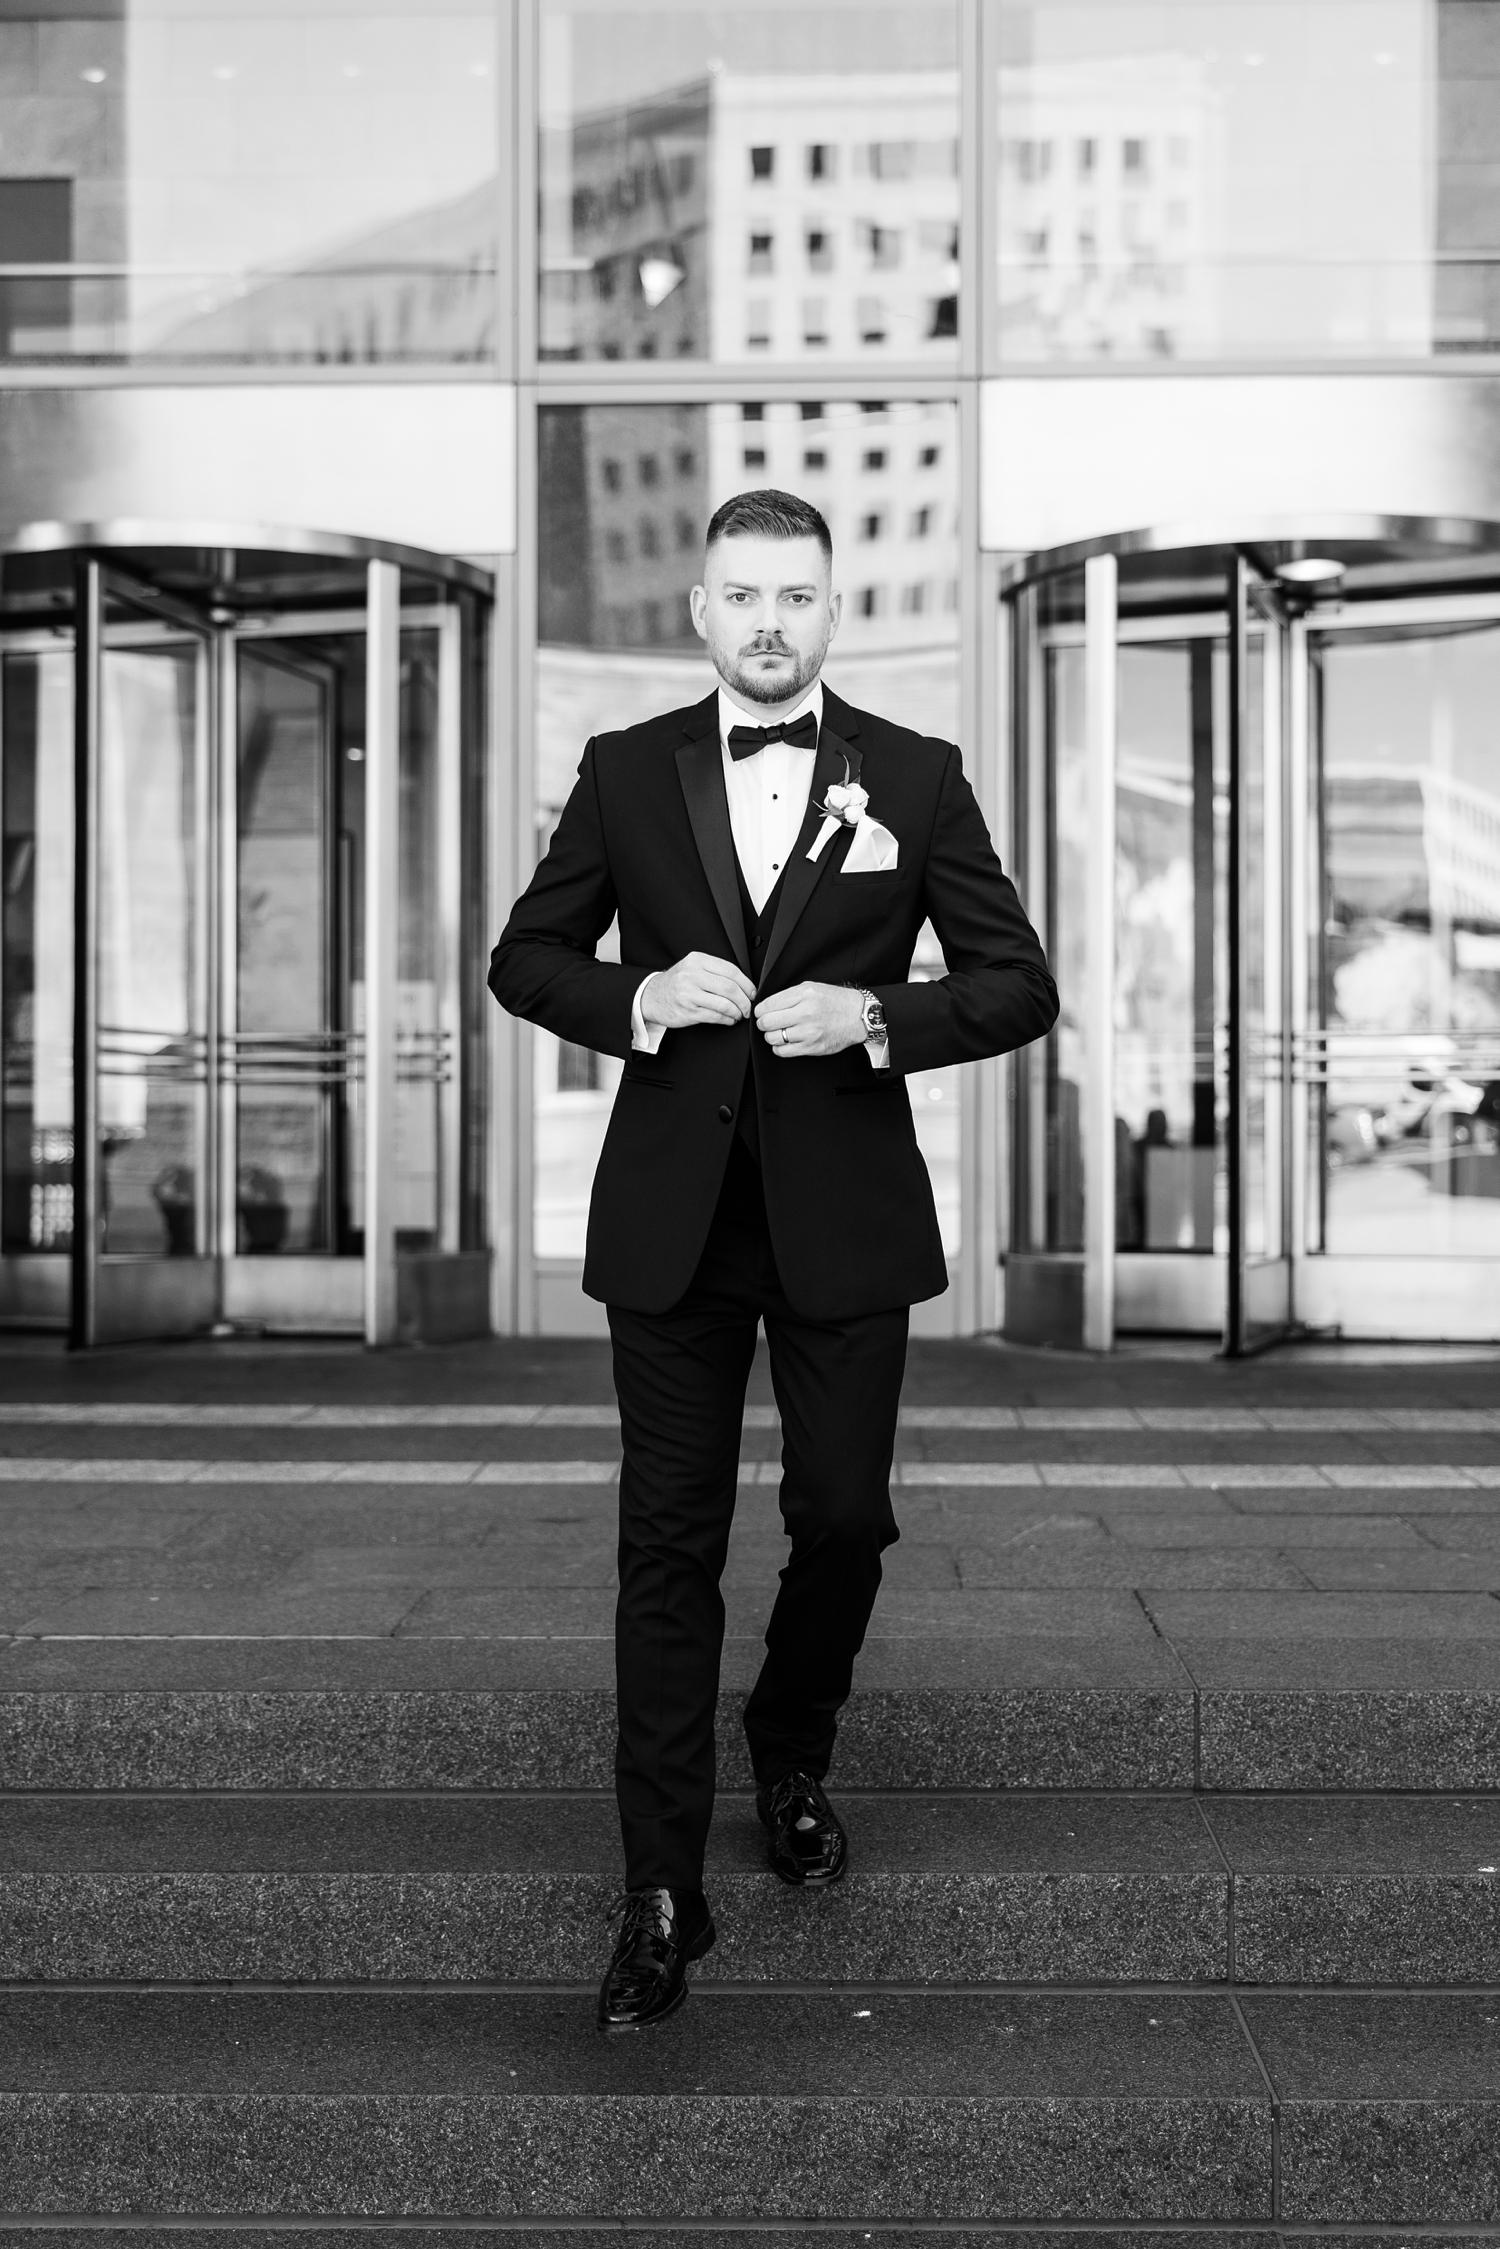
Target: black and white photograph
column 749, row 1107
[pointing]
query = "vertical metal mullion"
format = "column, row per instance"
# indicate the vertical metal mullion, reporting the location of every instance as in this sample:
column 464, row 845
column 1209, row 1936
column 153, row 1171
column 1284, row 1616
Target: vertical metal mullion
column 205, row 891
column 973, row 241
column 1032, row 746
column 975, row 1292
column 88, row 622
column 382, row 876
column 518, row 871
column 997, row 736
column 1237, row 605
column 524, row 207
column 1272, row 1062
column 1100, row 610
column 1298, row 923
column 449, row 871
column 224, row 1047
column 507, row 1173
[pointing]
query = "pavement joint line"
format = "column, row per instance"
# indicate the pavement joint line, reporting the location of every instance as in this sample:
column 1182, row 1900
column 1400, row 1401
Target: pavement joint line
column 908, row 1475
column 1221, row 1993
column 1162, row 1420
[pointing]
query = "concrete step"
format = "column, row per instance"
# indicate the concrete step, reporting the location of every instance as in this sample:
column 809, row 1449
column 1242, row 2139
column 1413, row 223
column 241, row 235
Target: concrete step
column 967, row 1890
column 959, row 1890
column 1087, row 2108
column 1050, row 1691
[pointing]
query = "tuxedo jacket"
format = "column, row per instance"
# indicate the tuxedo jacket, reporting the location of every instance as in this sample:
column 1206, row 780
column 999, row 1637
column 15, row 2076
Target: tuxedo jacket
column 645, row 835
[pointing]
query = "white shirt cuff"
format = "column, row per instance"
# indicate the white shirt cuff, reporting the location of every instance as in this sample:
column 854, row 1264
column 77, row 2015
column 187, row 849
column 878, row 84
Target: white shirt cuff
column 645, row 1038
column 879, row 1051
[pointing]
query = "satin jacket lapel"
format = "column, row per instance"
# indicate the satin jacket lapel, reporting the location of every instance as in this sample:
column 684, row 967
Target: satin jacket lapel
column 803, row 874
column 701, row 769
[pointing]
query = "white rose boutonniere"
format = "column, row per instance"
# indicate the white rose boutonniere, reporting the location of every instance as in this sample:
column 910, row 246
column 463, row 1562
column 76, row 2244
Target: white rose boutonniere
column 847, row 805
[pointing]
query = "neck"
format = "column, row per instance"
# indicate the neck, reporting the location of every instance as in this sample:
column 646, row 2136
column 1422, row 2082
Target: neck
column 766, row 714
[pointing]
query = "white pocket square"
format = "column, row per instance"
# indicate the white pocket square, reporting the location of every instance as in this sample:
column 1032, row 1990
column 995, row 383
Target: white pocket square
column 873, row 851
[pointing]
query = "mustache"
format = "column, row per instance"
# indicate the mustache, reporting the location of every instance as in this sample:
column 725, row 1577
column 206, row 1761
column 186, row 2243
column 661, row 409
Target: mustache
column 761, row 646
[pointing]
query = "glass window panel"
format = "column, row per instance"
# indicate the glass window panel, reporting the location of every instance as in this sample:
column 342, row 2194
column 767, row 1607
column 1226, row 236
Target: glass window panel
column 37, row 981
column 236, row 180
column 1246, row 179
column 626, row 492
column 727, row 185
column 1409, row 983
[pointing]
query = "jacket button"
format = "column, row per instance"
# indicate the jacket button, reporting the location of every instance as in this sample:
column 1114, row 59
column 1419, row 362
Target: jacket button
column 726, row 1114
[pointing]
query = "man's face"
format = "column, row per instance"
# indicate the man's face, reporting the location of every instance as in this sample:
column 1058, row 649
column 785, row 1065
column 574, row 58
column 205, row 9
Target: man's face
column 767, row 610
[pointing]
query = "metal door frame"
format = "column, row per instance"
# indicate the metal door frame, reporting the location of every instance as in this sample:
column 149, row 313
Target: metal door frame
column 1193, row 1288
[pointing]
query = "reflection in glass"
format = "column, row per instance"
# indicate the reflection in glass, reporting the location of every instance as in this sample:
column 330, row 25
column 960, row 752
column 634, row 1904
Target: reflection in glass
column 249, row 182
column 1407, row 1129
column 728, row 186
column 37, row 984
column 626, row 493
column 1246, row 179
column 422, row 1057
column 152, row 1073
column 284, row 1185
column 1168, row 941
column 301, row 994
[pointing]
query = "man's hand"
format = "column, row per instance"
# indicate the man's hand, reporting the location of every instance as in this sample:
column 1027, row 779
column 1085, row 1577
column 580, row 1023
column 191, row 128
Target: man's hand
column 812, row 1019
column 699, row 989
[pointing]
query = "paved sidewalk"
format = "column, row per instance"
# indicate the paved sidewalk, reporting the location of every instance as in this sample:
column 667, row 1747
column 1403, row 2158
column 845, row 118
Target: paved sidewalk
column 1306, row 1524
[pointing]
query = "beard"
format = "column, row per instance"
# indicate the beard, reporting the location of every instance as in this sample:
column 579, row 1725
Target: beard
column 755, row 687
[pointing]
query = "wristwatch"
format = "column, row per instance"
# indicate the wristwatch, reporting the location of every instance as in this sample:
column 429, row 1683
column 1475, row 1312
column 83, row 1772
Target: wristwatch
column 874, row 1017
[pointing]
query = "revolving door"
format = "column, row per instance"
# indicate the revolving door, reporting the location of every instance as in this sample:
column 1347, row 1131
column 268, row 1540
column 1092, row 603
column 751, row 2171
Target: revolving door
column 1258, row 815
column 243, row 1047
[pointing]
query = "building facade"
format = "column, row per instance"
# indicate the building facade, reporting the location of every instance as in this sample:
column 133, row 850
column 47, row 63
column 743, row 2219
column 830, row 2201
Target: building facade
column 368, row 371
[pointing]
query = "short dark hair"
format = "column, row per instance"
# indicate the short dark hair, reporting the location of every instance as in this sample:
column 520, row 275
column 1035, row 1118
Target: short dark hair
column 769, row 514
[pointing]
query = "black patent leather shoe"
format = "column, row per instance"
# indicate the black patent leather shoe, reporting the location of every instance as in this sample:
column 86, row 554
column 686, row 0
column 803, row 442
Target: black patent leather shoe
column 808, row 1843
column 661, row 1933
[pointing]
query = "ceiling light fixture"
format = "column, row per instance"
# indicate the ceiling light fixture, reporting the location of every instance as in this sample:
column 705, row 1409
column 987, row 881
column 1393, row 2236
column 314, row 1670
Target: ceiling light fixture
column 1310, row 570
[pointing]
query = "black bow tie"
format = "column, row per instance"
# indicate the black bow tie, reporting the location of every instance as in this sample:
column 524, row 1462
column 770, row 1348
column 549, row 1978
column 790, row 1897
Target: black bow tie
column 801, row 732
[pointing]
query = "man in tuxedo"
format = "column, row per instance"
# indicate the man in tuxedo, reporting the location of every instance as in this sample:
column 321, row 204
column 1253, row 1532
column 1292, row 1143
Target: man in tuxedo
column 771, row 855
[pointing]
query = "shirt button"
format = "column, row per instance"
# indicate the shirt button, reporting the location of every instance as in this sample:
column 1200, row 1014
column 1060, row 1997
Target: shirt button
column 726, row 1114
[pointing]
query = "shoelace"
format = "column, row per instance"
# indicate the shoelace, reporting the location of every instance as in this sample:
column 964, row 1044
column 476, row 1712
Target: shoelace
column 638, row 1908
column 786, row 1791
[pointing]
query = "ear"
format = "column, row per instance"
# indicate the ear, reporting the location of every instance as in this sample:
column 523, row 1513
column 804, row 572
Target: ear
column 835, row 612
column 698, row 605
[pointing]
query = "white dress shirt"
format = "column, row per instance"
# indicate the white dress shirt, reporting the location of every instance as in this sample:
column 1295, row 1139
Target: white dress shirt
column 767, row 794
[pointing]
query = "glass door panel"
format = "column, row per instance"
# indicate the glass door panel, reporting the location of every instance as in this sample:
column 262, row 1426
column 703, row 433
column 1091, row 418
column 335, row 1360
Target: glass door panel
column 1405, row 1055
column 152, row 1038
column 1170, row 832
column 422, row 1035
column 1260, row 1308
column 287, row 1023
column 36, row 787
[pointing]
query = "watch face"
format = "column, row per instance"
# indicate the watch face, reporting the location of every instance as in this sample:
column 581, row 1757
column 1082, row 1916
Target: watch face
column 875, row 1019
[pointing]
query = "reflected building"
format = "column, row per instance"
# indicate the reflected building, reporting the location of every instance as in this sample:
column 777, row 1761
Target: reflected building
column 1110, row 192
column 755, row 217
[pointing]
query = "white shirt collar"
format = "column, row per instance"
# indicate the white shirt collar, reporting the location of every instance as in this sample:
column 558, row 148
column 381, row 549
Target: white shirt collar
column 730, row 713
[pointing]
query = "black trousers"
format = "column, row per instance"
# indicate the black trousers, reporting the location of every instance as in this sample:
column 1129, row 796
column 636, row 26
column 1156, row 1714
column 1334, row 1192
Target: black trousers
column 680, row 1378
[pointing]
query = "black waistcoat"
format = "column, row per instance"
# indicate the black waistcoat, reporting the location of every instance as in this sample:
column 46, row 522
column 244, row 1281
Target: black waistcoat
column 758, row 927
